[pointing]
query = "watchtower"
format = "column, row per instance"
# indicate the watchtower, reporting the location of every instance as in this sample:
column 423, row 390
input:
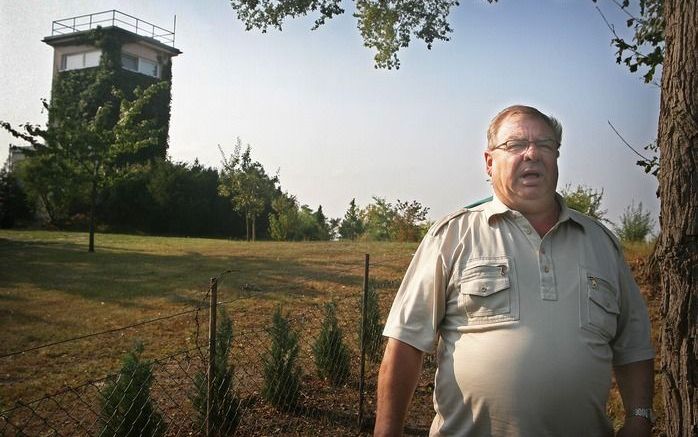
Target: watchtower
column 127, row 51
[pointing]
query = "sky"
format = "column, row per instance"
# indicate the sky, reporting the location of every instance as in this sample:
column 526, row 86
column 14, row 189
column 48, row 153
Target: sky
column 312, row 105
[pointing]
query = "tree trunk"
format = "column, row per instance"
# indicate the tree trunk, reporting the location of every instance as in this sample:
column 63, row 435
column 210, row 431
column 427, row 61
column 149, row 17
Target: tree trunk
column 254, row 227
column 676, row 247
column 93, row 202
column 247, row 227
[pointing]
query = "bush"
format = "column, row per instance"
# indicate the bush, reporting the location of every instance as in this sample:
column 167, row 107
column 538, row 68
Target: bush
column 373, row 332
column 225, row 417
column 585, row 200
column 127, row 409
column 14, row 205
column 635, row 224
column 281, row 373
column 331, row 354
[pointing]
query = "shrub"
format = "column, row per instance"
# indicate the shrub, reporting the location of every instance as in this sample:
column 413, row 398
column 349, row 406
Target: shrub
column 373, row 330
column 14, row 205
column 331, row 354
column 585, row 200
column 225, row 417
column 127, row 409
column 281, row 372
column 635, row 224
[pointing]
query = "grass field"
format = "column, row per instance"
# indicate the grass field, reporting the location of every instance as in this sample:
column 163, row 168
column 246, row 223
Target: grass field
column 52, row 289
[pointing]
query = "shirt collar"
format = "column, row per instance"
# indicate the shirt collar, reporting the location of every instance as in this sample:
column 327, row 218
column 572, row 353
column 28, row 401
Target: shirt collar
column 496, row 208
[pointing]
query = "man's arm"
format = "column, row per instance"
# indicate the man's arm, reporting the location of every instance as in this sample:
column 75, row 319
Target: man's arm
column 636, row 386
column 397, row 381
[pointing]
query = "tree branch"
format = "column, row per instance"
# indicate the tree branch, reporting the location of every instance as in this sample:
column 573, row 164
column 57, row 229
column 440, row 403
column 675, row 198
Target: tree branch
column 626, row 143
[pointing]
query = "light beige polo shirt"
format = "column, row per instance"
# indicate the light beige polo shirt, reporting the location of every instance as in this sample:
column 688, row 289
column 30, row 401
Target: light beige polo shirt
column 528, row 328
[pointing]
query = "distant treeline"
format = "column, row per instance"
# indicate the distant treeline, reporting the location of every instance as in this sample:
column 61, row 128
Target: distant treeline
column 162, row 197
column 239, row 201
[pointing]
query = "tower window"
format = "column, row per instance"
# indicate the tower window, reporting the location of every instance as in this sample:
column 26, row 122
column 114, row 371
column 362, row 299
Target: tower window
column 139, row 65
column 77, row 61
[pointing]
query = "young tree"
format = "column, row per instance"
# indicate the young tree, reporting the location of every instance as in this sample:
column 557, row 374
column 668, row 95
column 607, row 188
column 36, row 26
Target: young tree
column 307, row 225
column 281, row 372
column 83, row 155
column 323, row 227
column 352, row 226
column 247, row 185
column 378, row 218
column 585, row 200
column 635, row 224
column 410, row 218
column 226, row 416
column 372, row 328
column 333, row 227
column 283, row 220
column 127, row 410
column 330, row 352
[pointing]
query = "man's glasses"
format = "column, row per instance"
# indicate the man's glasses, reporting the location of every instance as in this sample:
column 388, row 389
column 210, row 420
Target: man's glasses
column 517, row 147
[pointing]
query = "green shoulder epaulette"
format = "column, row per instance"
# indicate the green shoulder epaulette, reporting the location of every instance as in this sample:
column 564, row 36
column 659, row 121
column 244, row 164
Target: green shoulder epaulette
column 441, row 223
column 479, row 202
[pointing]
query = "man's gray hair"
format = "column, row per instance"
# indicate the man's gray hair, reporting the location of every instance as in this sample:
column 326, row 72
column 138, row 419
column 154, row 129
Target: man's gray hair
column 521, row 110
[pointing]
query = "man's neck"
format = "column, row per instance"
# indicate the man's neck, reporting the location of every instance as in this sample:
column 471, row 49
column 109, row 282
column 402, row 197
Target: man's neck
column 544, row 220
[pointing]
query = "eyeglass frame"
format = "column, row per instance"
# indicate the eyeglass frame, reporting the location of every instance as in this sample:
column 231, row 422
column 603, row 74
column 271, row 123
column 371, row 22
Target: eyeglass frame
column 528, row 145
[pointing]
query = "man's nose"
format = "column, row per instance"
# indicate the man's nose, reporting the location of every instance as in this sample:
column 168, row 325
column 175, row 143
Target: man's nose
column 531, row 152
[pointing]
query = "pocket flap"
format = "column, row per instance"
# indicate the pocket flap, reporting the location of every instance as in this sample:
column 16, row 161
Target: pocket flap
column 485, row 286
column 601, row 293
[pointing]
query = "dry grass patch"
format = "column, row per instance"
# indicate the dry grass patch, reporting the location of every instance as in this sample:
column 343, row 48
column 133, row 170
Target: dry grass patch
column 52, row 289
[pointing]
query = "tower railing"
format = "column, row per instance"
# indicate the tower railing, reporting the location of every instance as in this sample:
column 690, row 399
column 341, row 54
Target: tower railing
column 113, row 18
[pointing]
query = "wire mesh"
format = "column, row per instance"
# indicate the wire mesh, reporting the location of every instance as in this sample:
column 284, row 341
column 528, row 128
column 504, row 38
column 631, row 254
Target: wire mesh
column 267, row 383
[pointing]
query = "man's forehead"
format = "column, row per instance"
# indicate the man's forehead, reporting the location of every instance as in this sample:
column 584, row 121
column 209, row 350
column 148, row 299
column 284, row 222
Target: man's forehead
column 519, row 123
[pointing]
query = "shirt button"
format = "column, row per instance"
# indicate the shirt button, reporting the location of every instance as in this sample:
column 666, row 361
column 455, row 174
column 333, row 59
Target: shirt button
column 528, row 230
column 546, row 269
column 542, row 250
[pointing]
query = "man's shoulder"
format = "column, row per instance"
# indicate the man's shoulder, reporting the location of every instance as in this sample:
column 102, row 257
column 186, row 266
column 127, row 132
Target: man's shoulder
column 590, row 223
column 470, row 208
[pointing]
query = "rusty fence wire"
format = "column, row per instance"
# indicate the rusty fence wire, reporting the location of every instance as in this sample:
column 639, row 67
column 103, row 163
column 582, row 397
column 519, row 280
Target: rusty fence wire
column 265, row 375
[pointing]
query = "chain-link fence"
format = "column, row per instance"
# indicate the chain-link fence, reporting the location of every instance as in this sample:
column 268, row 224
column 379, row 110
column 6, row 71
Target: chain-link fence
column 289, row 366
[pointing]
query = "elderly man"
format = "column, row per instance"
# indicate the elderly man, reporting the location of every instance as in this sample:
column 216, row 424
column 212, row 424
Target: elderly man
column 532, row 305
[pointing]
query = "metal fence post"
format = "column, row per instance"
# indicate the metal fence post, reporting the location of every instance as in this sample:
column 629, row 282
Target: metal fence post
column 363, row 343
column 210, row 404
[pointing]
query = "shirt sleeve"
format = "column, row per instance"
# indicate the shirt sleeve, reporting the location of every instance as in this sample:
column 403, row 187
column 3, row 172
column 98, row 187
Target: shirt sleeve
column 634, row 339
column 420, row 301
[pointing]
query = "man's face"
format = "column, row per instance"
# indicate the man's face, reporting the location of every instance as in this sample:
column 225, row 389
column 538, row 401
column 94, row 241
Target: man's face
column 526, row 181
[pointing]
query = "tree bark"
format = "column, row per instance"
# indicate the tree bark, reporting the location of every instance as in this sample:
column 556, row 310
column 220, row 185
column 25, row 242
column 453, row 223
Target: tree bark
column 254, row 227
column 93, row 202
column 676, row 247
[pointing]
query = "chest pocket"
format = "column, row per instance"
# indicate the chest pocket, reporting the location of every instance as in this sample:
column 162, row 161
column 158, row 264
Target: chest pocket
column 599, row 308
column 487, row 291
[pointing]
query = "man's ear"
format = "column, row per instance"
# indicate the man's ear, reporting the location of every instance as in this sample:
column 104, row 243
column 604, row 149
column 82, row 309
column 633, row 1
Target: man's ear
column 488, row 162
